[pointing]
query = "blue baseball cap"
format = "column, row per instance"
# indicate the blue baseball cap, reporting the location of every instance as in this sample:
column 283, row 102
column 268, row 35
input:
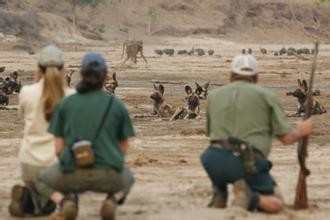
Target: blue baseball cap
column 94, row 61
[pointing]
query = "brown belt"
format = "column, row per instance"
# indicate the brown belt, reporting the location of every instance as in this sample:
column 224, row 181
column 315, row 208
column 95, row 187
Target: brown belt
column 222, row 143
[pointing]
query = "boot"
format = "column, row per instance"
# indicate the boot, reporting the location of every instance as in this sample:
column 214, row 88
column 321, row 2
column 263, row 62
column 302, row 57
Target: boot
column 21, row 202
column 244, row 197
column 68, row 209
column 219, row 199
column 108, row 210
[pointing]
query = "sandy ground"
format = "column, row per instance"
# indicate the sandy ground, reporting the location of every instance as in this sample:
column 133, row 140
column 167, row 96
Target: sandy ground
column 170, row 182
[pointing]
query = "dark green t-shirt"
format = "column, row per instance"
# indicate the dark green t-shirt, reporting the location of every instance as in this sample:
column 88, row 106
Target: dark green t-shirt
column 80, row 115
column 246, row 111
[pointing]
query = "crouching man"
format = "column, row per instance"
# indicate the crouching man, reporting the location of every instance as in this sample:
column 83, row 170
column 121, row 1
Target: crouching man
column 91, row 130
column 242, row 119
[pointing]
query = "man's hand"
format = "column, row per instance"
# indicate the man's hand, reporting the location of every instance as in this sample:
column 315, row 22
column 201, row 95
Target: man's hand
column 303, row 129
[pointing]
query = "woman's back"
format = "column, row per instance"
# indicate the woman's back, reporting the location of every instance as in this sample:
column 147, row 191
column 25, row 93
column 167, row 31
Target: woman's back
column 79, row 117
column 37, row 144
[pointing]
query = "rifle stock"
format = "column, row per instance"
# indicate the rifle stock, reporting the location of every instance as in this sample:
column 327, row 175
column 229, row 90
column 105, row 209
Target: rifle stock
column 301, row 198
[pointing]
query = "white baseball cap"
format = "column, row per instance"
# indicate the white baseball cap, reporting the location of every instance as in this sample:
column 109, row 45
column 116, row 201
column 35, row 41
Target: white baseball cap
column 245, row 65
column 51, row 56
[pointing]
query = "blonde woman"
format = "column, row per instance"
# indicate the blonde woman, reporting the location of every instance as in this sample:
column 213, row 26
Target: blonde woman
column 37, row 103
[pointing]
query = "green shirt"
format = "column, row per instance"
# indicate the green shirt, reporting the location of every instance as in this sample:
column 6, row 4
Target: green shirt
column 246, row 111
column 80, row 115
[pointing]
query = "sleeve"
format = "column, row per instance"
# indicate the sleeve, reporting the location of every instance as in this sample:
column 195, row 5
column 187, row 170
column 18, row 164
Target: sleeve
column 279, row 122
column 126, row 129
column 21, row 102
column 56, row 125
column 207, row 119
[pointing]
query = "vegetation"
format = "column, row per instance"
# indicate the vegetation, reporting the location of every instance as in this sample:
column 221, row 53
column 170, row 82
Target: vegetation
column 75, row 3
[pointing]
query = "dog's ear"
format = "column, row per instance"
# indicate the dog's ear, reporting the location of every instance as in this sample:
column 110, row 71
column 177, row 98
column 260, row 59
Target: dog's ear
column 114, row 76
column 304, row 82
column 155, row 87
column 299, row 83
column 206, row 85
column 161, row 89
column 188, row 89
column 197, row 85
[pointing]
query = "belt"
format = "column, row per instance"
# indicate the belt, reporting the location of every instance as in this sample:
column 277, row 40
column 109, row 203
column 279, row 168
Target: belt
column 222, row 143
column 225, row 144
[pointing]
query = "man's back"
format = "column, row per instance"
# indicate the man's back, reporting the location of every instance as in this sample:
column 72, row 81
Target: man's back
column 246, row 111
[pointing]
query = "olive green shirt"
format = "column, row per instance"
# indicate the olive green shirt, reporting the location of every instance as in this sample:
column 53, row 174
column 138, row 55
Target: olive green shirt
column 246, row 111
column 79, row 116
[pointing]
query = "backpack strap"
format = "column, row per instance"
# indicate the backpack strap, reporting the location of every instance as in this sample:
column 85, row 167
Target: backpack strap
column 104, row 116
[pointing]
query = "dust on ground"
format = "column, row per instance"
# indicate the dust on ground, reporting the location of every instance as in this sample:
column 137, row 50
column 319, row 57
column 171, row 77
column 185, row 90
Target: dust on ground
column 170, row 182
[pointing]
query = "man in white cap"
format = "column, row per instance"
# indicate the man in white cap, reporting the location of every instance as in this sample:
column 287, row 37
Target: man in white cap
column 242, row 119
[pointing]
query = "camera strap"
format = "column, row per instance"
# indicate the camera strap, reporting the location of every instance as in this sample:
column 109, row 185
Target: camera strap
column 104, row 116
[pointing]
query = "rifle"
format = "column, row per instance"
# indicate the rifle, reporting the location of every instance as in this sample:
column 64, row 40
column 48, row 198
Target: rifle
column 301, row 199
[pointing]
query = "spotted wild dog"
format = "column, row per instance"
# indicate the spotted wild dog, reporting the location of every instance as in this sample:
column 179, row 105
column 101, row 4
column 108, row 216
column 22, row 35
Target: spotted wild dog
column 301, row 94
column 191, row 109
column 111, row 83
column 160, row 107
column 202, row 91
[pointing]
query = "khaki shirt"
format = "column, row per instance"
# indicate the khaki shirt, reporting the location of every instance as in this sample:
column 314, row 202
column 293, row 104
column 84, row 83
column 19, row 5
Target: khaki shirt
column 37, row 146
column 246, row 111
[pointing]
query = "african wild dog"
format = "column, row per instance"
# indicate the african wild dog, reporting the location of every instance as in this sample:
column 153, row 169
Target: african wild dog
column 111, row 83
column 11, row 84
column 191, row 109
column 301, row 94
column 160, row 107
column 202, row 91
column 4, row 99
column 68, row 77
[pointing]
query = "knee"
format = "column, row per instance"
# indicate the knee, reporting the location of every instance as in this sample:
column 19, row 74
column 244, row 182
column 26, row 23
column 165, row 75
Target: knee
column 271, row 204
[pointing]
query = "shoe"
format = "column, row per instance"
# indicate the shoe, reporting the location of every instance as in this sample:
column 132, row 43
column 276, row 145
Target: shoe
column 68, row 209
column 244, row 197
column 218, row 201
column 19, row 194
column 108, row 210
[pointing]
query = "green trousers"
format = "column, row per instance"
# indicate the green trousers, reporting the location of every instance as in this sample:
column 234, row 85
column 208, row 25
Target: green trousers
column 106, row 181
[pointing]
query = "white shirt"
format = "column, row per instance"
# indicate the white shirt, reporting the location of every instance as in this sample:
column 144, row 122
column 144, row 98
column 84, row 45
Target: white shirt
column 37, row 147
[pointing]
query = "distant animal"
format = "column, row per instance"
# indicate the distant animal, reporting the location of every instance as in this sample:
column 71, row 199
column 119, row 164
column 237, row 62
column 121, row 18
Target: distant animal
column 11, row 84
column 243, row 51
column 68, row 77
column 160, row 107
column 210, row 52
column 202, row 91
column 2, row 69
column 282, row 51
column 191, row 52
column 263, row 51
column 191, row 109
column 111, row 83
column 200, row 52
column 291, row 51
column 301, row 94
column 159, row 52
column 132, row 49
column 4, row 99
column 250, row 51
column 182, row 52
column 276, row 53
column 169, row 52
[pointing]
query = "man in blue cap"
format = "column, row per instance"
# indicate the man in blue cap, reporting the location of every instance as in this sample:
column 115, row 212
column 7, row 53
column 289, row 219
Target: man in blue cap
column 91, row 130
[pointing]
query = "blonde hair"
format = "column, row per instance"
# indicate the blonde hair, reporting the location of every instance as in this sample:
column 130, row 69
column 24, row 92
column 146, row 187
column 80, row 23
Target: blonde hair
column 53, row 89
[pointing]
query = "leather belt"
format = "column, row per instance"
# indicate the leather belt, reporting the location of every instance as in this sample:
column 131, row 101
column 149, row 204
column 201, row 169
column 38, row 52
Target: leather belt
column 222, row 143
